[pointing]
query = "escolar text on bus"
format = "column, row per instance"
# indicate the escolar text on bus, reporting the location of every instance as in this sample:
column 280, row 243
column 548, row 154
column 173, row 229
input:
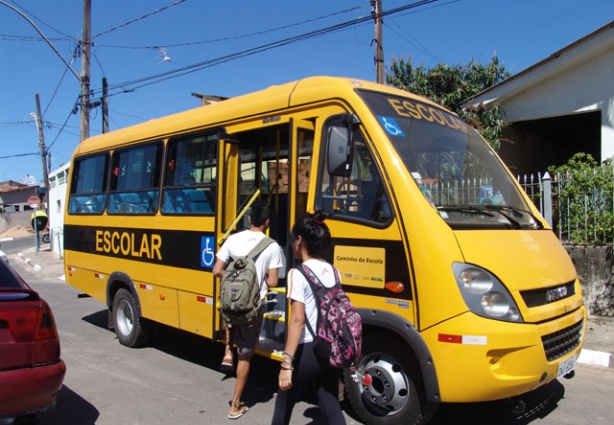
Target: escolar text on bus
column 129, row 244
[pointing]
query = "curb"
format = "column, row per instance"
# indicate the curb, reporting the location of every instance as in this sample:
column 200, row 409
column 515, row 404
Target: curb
column 29, row 261
column 36, row 267
column 595, row 358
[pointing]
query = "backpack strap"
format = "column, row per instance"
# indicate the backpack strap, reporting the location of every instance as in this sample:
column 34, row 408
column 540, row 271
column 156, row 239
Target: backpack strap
column 313, row 282
column 260, row 246
column 259, row 249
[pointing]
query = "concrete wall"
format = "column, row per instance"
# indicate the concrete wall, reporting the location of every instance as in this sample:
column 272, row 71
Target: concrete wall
column 595, row 267
column 8, row 220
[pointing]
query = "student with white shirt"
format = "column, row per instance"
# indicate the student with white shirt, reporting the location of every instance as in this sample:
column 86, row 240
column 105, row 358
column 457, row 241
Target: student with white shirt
column 268, row 263
column 300, row 367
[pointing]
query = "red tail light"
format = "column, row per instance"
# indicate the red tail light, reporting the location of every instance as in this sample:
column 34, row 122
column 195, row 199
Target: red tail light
column 46, row 340
column 28, row 334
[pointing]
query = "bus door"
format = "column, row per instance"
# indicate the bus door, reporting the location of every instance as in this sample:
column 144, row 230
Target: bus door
column 263, row 164
column 353, row 188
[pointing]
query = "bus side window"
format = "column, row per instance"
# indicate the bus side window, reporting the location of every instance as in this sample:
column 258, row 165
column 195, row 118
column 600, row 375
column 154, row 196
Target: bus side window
column 191, row 175
column 361, row 195
column 88, row 185
column 135, row 180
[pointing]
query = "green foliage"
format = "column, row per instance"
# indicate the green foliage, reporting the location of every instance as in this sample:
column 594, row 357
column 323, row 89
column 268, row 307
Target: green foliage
column 585, row 200
column 450, row 86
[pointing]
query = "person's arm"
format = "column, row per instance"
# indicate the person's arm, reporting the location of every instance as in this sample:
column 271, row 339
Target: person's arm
column 219, row 268
column 272, row 278
column 295, row 330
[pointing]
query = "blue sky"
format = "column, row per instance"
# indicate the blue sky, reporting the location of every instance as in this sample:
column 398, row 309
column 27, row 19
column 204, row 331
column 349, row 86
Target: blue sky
column 133, row 38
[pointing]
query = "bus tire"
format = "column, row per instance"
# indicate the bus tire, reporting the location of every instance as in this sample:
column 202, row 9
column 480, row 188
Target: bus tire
column 390, row 395
column 131, row 330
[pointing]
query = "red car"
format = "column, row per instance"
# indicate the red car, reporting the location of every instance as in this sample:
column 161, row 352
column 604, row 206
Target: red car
column 31, row 371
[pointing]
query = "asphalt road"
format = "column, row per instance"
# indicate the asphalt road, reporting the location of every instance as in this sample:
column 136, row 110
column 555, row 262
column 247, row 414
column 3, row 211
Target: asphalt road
column 176, row 381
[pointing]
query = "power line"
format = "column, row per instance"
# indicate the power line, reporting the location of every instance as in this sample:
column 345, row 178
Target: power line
column 65, row 122
column 10, row 37
column 413, row 42
column 42, row 35
column 20, row 155
column 43, row 22
column 237, row 37
column 145, row 81
column 140, row 18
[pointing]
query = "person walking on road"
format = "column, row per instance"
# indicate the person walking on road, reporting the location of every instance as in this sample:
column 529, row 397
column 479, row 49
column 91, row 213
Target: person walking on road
column 245, row 337
column 300, row 366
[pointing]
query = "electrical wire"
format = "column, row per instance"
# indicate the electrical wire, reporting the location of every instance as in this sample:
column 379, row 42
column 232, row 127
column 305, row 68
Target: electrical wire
column 413, row 42
column 139, row 19
column 237, row 37
column 65, row 122
column 146, row 81
column 43, row 22
column 55, row 92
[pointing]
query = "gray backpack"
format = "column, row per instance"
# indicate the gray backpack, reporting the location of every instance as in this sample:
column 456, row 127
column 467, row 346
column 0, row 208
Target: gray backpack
column 240, row 288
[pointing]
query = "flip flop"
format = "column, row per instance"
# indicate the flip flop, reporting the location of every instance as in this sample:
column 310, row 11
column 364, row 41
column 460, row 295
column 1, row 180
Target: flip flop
column 226, row 365
column 242, row 411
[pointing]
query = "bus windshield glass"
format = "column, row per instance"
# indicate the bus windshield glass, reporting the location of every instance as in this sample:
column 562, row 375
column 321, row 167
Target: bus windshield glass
column 458, row 174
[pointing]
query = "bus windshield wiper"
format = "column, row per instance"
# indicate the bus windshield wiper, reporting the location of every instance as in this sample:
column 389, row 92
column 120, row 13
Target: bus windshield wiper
column 508, row 210
column 468, row 209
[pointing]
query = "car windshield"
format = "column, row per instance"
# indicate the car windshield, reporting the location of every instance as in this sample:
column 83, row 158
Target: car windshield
column 458, row 173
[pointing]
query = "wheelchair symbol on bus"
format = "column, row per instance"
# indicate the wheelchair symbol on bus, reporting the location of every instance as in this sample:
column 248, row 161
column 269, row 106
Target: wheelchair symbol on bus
column 207, row 256
column 391, row 126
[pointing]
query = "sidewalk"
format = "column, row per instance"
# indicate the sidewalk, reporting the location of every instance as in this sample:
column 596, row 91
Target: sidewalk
column 598, row 344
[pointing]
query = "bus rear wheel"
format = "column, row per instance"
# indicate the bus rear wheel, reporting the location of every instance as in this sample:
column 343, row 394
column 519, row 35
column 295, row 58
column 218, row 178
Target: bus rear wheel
column 387, row 391
column 131, row 330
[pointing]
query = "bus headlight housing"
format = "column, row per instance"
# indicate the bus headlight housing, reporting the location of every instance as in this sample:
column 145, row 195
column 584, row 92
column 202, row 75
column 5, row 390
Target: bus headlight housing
column 484, row 294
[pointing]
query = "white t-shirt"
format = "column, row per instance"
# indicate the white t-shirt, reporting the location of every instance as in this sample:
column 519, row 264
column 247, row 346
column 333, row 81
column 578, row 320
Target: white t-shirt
column 299, row 290
column 242, row 243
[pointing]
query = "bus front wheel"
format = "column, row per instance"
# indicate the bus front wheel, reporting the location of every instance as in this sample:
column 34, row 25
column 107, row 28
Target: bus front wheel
column 387, row 389
column 131, row 330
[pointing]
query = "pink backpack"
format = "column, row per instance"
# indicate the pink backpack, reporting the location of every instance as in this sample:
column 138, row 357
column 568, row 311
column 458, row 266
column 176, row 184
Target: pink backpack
column 338, row 340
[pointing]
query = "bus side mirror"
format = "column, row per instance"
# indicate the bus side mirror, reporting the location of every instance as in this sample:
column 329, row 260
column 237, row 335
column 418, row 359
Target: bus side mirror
column 340, row 149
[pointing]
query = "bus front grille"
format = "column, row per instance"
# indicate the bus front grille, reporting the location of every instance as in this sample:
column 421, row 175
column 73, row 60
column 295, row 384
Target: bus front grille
column 559, row 343
column 543, row 296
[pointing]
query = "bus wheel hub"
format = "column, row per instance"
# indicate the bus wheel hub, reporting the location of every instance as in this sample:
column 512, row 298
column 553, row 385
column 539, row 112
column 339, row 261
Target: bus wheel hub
column 384, row 383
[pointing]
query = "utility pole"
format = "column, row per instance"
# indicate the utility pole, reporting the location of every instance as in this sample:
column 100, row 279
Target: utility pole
column 85, row 70
column 41, row 145
column 376, row 12
column 105, row 106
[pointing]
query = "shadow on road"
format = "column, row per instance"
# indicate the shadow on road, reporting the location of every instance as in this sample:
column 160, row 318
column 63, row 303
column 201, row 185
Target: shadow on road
column 71, row 409
column 539, row 404
column 262, row 384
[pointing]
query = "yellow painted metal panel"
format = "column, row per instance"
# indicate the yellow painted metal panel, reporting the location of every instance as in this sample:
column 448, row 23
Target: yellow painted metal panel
column 158, row 303
column 196, row 312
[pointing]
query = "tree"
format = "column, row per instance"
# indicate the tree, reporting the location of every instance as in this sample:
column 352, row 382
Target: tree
column 450, row 86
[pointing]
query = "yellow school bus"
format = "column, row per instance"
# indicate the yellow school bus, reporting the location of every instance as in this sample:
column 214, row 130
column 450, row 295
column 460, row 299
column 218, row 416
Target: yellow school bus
column 465, row 293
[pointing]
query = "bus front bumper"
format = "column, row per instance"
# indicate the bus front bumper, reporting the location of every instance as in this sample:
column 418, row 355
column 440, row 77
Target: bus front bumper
column 479, row 359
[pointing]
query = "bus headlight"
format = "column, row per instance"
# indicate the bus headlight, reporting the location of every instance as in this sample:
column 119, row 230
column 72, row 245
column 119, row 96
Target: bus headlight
column 484, row 294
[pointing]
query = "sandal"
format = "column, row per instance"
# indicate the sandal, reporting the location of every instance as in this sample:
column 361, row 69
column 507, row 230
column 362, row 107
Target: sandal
column 226, row 365
column 242, row 410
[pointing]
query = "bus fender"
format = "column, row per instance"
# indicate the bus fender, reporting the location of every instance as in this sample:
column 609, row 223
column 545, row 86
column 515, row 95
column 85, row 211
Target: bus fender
column 116, row 281
column 411, row 336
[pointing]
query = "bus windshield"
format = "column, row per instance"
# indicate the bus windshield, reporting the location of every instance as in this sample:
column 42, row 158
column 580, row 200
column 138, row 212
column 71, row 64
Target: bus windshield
column 457, row 172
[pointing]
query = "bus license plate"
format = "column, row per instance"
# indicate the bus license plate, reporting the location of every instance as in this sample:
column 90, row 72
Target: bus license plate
column 566, row 366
